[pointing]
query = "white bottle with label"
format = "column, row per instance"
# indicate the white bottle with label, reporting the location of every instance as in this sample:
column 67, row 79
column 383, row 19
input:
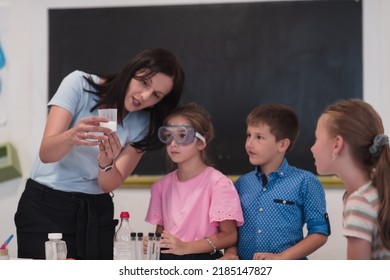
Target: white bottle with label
column 55, row 247
column 122, row 242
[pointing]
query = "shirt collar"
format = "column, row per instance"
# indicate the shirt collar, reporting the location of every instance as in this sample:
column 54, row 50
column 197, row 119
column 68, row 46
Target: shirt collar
column 279, row 172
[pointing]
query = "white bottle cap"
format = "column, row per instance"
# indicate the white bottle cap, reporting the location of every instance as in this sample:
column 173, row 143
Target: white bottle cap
column 55, row 235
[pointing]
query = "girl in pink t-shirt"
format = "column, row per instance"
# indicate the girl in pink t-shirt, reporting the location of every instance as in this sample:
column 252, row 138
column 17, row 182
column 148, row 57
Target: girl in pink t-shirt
column 195, row 207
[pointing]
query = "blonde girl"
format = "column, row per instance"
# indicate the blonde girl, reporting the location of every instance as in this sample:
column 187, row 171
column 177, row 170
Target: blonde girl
column 350, row 143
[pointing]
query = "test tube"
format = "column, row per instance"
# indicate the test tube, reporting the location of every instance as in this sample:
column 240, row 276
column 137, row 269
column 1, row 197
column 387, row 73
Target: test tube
column 133, row 241
column 157, row 246
column 150, row 246
column 140, row 246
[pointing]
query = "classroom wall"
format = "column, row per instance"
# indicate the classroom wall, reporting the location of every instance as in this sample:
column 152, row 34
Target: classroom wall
column 24, row 99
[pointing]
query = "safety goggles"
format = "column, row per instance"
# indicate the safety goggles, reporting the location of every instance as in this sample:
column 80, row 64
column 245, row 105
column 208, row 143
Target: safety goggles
column 183, row 135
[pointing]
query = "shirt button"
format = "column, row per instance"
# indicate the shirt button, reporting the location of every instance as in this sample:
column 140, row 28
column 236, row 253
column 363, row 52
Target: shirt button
column 264, row 189
column 284, row 201
column 281, row 173
column 261, row 209
column 260, row 231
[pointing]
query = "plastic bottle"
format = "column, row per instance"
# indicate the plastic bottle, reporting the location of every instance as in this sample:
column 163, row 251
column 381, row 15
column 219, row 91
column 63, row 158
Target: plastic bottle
column 122, row 241
column 55, row 247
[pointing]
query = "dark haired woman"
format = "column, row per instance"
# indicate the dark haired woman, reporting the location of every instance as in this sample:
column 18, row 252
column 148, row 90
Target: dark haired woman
column 81, row 162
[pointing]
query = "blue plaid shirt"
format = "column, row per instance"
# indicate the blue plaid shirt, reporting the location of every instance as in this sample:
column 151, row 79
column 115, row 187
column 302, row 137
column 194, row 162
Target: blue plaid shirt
column 276, row 211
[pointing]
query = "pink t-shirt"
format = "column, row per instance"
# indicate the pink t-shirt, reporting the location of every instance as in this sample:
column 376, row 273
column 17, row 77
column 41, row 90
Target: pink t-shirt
column 192, row 209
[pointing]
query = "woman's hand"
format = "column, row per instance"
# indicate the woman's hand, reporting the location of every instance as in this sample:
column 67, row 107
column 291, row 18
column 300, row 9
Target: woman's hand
column 124, row 165
column 109, row 149
column 58, row 138
column 88, row 131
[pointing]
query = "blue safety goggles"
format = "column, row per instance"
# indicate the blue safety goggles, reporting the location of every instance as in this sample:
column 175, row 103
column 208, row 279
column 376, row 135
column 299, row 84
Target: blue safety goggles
column 183, row 135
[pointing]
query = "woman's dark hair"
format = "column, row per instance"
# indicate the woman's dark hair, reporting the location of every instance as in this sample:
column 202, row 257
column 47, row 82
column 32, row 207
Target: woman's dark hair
column 112, row 93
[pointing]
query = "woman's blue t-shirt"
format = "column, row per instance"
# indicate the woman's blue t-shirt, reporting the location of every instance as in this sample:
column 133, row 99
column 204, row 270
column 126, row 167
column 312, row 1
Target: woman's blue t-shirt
column 77, row 171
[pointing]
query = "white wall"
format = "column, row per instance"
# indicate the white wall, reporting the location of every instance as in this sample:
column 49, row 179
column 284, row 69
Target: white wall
column 26, row 48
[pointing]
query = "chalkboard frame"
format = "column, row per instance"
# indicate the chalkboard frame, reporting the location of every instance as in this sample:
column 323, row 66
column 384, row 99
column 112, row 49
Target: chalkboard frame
column 234, row 54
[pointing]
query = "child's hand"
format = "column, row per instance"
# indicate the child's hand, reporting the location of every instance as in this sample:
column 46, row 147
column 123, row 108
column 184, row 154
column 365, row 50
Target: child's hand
column 145, row 244
column 172, row 245
column 229, row 257
column 267, row 256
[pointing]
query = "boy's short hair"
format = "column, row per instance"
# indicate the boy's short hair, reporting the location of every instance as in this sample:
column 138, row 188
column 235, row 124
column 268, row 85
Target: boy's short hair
column 281, row 119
